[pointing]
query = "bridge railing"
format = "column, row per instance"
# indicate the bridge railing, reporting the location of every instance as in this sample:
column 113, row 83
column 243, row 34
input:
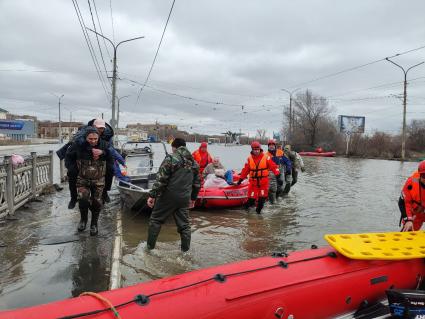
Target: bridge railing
column 23, row 182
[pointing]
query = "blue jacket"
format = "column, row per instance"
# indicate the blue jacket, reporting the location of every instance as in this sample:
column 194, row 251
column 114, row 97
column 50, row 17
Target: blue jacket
column 282, row 161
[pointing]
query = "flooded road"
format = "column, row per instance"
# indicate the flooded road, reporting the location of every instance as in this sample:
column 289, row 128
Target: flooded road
column 43, row 258
column 334, row 195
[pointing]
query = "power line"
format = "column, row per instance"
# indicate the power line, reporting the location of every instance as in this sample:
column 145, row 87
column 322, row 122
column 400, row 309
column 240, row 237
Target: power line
column 156, row 53
column 86, row 36
column 355, row 67
column 97, row 38
column 100, row 28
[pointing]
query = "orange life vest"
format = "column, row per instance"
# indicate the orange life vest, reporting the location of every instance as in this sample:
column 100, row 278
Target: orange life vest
column 197, row 156
column 279, row 153
column 418, row 196
column 260, row 170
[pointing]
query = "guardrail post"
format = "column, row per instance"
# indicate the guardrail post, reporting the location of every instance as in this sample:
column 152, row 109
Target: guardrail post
column 10, row 185
column 62, row 170
column 51, row 167
column 34, row 174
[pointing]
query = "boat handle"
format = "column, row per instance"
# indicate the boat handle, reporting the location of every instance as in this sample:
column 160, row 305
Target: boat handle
column 279, row 313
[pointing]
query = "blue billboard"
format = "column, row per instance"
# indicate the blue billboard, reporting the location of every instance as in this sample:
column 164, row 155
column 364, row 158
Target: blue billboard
column 11, row 125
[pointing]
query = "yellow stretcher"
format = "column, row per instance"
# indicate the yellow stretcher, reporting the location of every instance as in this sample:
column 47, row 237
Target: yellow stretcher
column 389, row 246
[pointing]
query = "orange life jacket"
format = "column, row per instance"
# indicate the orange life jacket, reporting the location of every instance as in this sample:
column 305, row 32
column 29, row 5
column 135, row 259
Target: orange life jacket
column 279, row 153
column 418, row 196
column 197, row 156
column 260, row 170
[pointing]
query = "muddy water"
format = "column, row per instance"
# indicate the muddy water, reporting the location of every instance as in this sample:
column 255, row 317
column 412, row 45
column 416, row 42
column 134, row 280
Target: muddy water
column 334, row 195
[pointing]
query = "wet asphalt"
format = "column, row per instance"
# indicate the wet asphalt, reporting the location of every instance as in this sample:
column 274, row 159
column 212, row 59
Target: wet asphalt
column 43, row 257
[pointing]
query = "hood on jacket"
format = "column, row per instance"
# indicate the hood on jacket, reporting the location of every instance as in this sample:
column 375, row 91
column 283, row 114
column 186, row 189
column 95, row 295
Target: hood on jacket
column 108, row 133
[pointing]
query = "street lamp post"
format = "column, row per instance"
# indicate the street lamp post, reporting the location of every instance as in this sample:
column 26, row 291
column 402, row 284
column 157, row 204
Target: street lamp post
column 114, row 73
column 291, row 117
column 118, row 109
column 60, row 122
column 403, row 137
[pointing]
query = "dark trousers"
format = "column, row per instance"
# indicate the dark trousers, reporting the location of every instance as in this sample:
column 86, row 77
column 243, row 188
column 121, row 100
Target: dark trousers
column 72, row 182
column 162, row 209
column 294, row 177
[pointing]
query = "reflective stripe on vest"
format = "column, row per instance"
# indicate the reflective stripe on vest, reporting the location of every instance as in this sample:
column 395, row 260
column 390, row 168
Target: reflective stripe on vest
column 258, row 171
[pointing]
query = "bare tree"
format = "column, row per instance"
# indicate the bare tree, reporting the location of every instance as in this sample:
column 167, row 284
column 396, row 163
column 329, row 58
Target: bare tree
column 310, row 110
column 261, row 133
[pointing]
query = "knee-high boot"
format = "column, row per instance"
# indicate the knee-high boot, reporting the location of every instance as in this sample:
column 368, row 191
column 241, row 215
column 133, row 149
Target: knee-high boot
column 93, row 224
column 260, row 204
column 249, row 203
column 84, row 212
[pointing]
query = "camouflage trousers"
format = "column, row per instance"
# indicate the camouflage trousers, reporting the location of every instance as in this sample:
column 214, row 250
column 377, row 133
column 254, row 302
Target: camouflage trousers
column 90, row 193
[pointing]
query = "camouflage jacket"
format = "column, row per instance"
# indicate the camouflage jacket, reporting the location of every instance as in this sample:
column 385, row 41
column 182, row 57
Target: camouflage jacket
column 178, row 177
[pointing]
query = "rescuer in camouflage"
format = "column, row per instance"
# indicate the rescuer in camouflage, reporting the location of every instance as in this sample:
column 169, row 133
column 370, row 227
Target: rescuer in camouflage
column 173, row 193
column 90, row 160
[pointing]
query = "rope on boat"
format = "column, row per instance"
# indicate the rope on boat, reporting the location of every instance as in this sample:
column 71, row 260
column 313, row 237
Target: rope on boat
column 104, row 300
column 143, row 300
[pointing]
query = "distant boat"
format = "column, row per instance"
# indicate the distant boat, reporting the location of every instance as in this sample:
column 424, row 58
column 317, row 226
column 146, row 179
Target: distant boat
column 320, row 154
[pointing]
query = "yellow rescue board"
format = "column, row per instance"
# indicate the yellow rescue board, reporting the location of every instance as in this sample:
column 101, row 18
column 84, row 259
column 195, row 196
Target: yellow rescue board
column 384, row 246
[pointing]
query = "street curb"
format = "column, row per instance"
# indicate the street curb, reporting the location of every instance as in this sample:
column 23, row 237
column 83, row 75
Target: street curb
column 115, row 278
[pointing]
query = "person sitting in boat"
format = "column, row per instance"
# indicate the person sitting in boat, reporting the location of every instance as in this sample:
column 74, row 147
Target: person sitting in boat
column 257, row 167
column 119, row 160
column 216, row 180
column 412, row 200
column 284, row 164
column 297, row 163
column 216, row 164
column 202, row 156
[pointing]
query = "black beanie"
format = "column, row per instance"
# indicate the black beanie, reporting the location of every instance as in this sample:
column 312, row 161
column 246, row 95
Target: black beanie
column 178, row 142
column 91, row 129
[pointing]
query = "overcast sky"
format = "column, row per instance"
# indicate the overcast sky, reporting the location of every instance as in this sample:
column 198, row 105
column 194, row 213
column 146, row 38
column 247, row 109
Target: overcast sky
column 239, row 52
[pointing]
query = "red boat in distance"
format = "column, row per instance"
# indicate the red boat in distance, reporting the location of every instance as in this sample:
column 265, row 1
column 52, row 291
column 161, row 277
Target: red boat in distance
column 318, row 152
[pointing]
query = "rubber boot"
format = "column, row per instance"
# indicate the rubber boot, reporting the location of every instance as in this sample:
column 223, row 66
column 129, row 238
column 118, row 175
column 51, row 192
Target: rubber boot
column 272, row 197
column 93, row 223
column 84, row 212
column 260, row 204
column 185, row 241
column 153, row 233
column 249, row 203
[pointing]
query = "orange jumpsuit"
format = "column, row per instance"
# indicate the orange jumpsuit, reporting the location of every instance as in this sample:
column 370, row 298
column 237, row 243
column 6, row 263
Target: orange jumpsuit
column 414, row 200
column 258, row 169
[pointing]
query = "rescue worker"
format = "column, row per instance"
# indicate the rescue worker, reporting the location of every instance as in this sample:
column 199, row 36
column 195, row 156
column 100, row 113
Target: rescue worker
column 284, row 164
column 258, row 166
column 202, row 157
column 173, row 193
column 412, row 200
column 106, row 133
column 296, row 163
column 89, row 159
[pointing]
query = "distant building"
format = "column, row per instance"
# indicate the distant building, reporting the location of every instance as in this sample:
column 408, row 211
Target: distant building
column 3, row 114
column 156, row 130
column 48, row 129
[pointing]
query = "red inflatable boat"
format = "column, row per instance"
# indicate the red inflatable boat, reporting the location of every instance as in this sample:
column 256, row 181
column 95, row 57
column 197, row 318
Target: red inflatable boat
column 315, row 283
column 222, row 197
column 321, row 154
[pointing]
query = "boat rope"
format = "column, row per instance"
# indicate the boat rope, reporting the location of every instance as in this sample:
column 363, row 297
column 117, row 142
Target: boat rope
column 143, row 300
column 104, row 300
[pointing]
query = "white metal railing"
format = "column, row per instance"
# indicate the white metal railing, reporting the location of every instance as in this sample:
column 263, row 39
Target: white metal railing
column 22, row 182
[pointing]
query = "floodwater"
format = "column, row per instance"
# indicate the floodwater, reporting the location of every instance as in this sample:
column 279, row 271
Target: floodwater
column 43, row 258
column 333, row 195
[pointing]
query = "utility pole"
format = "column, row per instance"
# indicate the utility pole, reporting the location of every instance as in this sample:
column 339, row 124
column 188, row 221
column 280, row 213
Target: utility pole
column 118, row 109
column 114, row 73
column 403, row 137
column 291, row 117
column 60, row 122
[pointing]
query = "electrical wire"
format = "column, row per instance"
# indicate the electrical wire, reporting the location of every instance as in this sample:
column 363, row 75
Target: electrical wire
column 88, row 42
column 156, row 53
column 355, row 67
column 97, row 38
column 101, row 31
